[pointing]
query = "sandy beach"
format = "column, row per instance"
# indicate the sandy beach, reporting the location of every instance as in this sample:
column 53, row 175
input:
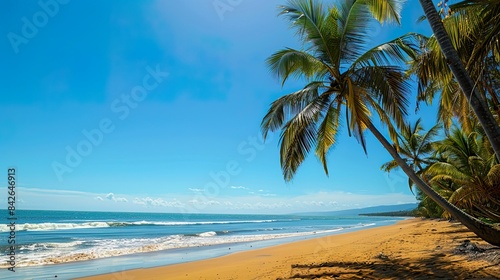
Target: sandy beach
column 411, row 249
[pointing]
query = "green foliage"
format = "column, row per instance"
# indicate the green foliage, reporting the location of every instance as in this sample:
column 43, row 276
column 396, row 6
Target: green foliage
column 345, row 78
column 468, row 173
column 474, row 30
column 461, row 167
column 349, row 81
column 415, row 147
column 427, row 208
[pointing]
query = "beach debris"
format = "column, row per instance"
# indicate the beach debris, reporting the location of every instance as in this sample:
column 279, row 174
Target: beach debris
column 382, row 256
column 468, row 247
column 486, row 252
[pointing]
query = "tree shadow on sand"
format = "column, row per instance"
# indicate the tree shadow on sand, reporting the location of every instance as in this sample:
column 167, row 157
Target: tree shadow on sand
column 382, row 267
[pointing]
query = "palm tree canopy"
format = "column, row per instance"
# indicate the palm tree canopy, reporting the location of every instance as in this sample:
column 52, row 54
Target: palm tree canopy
column 468, row 170
column 474, row 29
column 344, row 78
column 415, row 147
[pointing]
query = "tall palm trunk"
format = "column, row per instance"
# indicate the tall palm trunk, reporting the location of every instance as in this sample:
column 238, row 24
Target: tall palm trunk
column 477, row 103
column 486, row 232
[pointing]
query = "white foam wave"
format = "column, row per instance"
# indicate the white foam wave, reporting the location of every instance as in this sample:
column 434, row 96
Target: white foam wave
column 65, row 226
column 53, row 226
column 207, row 234
column 46, row 246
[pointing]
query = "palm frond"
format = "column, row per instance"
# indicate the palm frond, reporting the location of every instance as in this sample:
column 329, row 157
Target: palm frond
column 386, row 10
column 359, row 113
column 316, row 27
column 291, row 62
column 425, row 143
column 354, row 25
column 385, row 119
column 389, row 166
column 299, row 135
column 389, row 86
column 288, row 106
column 395, row 52
column 327, row 132
column 493, row 176
column 446, row 171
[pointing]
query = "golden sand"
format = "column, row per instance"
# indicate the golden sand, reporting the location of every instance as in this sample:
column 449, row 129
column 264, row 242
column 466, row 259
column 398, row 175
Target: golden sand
column 411, row 249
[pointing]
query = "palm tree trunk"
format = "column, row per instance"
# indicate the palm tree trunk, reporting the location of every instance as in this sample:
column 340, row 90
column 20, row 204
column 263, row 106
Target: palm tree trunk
column 462, row 76
column 494, row 98
column 485, row 231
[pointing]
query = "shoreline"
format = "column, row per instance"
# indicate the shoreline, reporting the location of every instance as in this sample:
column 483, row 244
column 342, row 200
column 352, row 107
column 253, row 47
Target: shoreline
column 75, row 265
column 410, row 249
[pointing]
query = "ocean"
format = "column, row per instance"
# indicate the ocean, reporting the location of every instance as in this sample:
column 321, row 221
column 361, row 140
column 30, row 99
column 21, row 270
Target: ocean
column 69, row 244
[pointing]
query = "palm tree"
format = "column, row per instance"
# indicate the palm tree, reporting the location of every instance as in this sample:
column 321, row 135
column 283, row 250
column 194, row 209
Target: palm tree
column 434, row 77
column 481, row 23
column 477, row 25
column 470, row 32
column 415, row 148
column 470, row 171
column 461, row 75
column 345, row 78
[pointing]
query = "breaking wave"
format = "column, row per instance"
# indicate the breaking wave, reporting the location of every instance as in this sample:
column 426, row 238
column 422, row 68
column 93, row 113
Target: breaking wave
column 68, row 226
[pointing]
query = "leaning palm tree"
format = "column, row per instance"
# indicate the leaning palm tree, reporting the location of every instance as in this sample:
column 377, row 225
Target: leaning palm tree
column 472, row 32
column 343, row 77
column 472, row 94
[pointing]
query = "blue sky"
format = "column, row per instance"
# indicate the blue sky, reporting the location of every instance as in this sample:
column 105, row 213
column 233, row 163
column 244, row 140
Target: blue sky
column 156, row 106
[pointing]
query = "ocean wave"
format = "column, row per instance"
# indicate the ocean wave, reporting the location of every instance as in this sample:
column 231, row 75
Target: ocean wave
column 53, row 253
column 368, row 225
column 208, row 234
column 66, row 226
column 98, row 224
column 53, row 226
column 185, row 223
column 50, row 245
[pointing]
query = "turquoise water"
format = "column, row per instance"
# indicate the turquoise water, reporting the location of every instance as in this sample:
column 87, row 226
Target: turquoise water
column 74, row 244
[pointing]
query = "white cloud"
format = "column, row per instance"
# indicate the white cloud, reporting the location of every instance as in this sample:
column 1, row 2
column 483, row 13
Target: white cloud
column 157, row 202
column 204, row 202
column 112, row 197
column 257, row 202
column 238, row 188
column 195, row 190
